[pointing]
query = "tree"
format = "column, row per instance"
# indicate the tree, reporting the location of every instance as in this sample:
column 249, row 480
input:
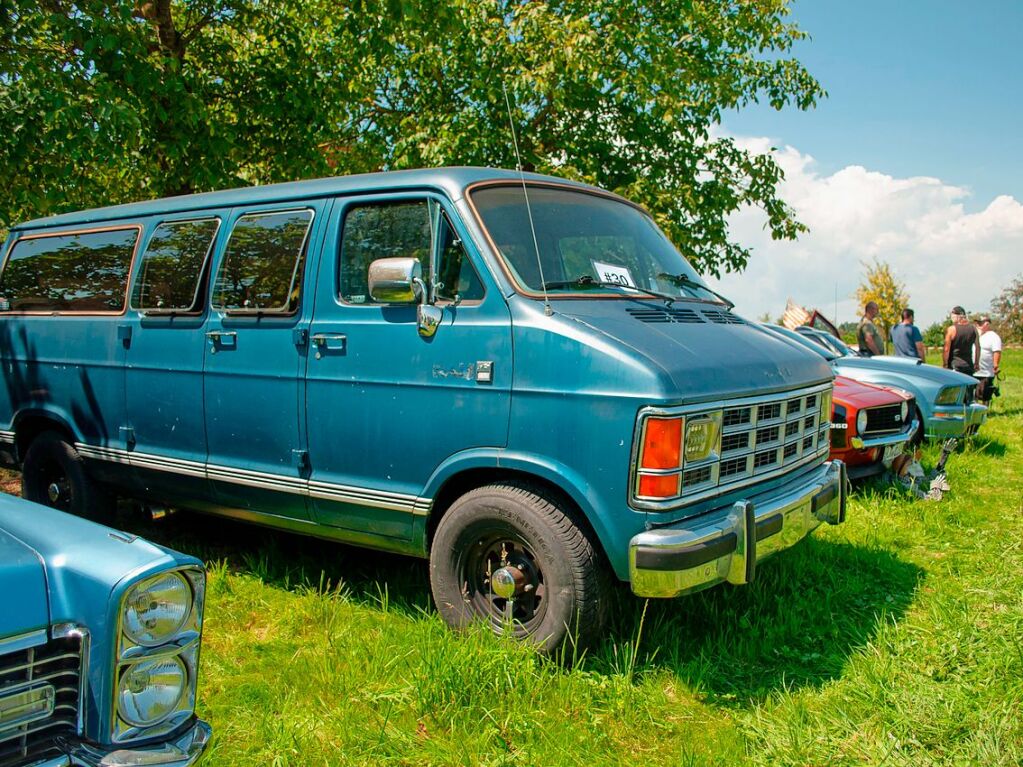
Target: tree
column 934, row 335
column 1007, row 311
column 880, row 286
column 103, row 102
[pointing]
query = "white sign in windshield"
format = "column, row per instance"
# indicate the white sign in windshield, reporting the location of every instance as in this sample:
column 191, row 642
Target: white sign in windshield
column 619, row 275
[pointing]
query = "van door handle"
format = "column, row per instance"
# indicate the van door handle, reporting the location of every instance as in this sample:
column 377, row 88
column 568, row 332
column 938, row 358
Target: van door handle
column 328, row 342
column 217, row 339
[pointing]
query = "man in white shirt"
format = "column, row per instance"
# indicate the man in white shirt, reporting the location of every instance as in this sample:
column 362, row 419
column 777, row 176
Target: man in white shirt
column 990, row 360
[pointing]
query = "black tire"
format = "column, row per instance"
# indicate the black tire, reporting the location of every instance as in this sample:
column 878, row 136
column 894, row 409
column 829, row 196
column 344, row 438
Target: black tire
column 54, row 475
column 562, row 582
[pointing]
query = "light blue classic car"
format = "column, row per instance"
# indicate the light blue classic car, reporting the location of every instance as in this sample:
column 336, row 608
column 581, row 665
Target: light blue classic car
column 943, row 397
column 99, row 645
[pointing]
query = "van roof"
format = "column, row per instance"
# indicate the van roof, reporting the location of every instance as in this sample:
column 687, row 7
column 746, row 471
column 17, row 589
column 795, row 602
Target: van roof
column 452, row 181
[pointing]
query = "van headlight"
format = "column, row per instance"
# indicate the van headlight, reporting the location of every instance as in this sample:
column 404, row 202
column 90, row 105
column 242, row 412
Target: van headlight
column 158, row 654
column 151, row 690
column 156, row 609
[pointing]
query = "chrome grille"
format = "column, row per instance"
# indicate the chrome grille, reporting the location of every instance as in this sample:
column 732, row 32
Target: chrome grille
column 760, row 437
column 887, row 418
column 54, row 666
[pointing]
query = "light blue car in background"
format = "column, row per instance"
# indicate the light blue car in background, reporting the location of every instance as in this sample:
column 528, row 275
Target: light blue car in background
column 99, row 645
column 944, row 398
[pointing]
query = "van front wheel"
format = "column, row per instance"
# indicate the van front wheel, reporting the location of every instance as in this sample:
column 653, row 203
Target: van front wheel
column 54, row 475
column 512, row 557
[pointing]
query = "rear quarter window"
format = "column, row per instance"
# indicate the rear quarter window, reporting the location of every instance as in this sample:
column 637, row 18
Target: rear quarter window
column 73, row 272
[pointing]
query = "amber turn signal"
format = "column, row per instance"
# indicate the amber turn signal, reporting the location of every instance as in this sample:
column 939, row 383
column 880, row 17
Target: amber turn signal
column 658, row 485
column 662, row 445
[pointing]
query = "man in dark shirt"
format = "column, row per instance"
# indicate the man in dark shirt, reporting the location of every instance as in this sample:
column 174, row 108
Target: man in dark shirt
column 962, row 343
column 869, row 340
column 906, row 338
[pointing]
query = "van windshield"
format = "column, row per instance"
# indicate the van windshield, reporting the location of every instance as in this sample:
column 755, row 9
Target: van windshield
column 587, row 244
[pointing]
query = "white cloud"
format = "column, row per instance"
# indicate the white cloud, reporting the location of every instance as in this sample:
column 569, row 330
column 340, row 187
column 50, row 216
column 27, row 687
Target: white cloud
column 944, row 255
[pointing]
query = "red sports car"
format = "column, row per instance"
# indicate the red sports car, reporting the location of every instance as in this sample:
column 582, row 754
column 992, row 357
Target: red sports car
column 870, row 425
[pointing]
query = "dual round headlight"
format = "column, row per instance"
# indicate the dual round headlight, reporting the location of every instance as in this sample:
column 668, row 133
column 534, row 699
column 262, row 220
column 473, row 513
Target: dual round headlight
column 156, row 609
column 151, row 690
column 861, row 422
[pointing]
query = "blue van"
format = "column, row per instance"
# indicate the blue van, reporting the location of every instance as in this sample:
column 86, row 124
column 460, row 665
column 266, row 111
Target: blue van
column 518, row 377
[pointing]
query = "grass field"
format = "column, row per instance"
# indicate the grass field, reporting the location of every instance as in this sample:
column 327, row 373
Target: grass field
column 894, row 639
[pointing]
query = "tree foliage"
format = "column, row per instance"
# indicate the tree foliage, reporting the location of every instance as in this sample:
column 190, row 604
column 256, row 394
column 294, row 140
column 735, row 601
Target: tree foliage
column 934, row 335
column 103, row 102
column 1007, row 311
column 881, row 286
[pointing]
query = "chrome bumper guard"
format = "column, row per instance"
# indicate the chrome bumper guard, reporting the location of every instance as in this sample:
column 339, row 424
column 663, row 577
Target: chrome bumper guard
column 726, row 546
column 183, row 751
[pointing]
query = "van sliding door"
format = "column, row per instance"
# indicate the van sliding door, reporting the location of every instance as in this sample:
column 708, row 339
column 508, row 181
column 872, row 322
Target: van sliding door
column 164, row 384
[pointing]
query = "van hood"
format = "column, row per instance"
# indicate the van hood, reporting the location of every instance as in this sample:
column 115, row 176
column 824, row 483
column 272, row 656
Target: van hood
column 708, row 352
column 23, row 586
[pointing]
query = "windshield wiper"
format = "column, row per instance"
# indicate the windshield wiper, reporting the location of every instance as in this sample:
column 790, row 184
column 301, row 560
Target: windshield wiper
column 586, row 281
column 685, row 281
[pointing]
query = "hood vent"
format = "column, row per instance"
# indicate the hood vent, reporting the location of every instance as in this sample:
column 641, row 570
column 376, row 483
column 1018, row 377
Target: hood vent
column 722, row 317
column 662, row 315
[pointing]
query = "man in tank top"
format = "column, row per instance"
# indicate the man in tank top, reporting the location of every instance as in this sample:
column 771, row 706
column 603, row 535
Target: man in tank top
column 962, row 343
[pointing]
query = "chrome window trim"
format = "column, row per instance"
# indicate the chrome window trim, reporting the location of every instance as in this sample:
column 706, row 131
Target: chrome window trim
column 818, row 452
column 234, row 312
column 194, row 308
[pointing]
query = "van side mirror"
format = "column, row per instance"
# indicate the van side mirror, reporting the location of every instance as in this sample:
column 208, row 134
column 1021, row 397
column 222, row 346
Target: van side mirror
column 400, row 281
column 396, row 281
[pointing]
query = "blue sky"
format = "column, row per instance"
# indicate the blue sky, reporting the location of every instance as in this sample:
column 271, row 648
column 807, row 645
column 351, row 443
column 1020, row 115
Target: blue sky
column 915, row 88
column 915, row 158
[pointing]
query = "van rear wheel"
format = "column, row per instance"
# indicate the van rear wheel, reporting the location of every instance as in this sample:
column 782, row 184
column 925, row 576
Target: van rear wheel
column 54, row 475
column 511, row 556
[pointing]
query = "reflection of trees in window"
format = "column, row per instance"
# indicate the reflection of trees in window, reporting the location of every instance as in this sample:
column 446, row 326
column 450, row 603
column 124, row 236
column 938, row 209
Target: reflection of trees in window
column 381, row 231
column 172, row 265
column 74, row 272
column 455, row 274
column 262, row 265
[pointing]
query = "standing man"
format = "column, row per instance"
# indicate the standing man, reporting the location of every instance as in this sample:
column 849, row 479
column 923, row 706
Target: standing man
column 906, row 338
column 990, row 360
column 869, row 340
column 962, row 343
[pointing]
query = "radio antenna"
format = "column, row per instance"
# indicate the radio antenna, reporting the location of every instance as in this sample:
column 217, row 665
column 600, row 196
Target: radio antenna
column 529, row 211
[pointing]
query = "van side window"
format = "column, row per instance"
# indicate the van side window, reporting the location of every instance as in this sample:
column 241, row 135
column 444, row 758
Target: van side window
column 172, row 266
column 389, row 230
column 456, row 276
column 78, row 272
column 262, row 267
column 409, row 230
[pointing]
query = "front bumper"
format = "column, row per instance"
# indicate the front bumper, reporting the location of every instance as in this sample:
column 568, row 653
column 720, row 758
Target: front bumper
column 725, row 545
column 183, row 751
column 955, row 420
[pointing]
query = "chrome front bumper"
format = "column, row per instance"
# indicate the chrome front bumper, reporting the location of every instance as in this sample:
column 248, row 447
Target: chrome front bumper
column 183, row 751
column 727, row 544
column 955, row 420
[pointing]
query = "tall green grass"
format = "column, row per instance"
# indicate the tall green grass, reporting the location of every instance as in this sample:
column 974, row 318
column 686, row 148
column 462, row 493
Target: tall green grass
column 895, row 639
